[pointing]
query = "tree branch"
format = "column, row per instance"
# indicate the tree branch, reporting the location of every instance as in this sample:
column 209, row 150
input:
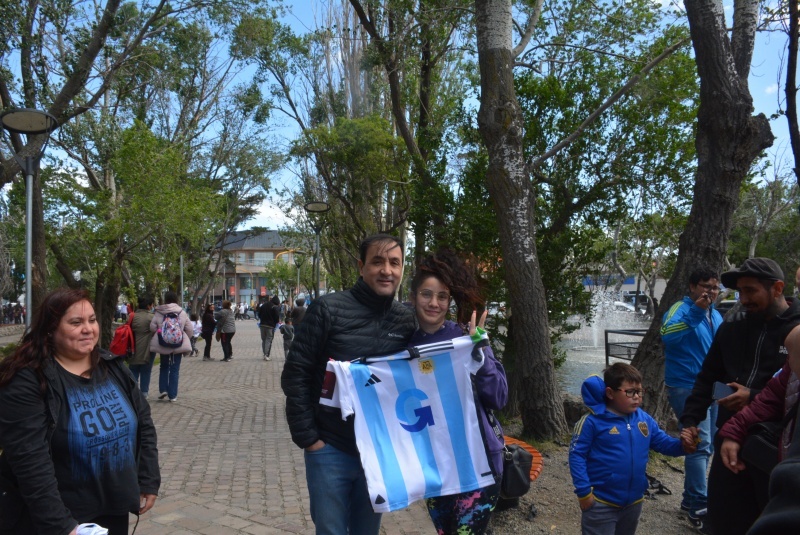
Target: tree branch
column 533, row 20
column 622, row 91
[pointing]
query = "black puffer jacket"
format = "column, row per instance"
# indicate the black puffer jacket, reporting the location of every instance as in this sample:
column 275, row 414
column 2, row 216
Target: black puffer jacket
column 745, row 350
column 342, row 326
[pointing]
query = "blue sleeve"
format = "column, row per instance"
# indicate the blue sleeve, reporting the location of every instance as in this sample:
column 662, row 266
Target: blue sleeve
column 661, row 442
column 579, row 448
column 680, row 320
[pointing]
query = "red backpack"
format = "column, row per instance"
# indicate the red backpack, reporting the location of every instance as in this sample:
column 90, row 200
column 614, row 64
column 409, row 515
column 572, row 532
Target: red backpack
column 123, row 344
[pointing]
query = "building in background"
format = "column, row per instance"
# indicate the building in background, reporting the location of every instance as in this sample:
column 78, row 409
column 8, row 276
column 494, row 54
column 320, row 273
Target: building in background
column 242, row 272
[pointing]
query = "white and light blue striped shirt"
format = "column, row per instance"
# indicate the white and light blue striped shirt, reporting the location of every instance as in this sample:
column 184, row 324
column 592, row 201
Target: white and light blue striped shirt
column 415, row 422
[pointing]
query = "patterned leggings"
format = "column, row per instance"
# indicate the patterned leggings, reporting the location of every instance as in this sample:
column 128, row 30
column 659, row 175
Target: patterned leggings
column 467, row 513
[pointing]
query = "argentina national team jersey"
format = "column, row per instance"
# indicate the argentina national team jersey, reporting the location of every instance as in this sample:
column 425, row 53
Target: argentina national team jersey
column 416, row 424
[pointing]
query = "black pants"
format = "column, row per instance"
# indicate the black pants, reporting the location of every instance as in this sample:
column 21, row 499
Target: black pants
column 207, row 351
column 734, row 500
column 227, row 348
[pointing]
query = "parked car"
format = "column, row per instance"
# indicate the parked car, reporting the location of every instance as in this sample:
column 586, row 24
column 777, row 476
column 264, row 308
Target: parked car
column 621, row 306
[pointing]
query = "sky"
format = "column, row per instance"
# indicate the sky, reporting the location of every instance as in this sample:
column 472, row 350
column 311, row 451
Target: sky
column 765, row 87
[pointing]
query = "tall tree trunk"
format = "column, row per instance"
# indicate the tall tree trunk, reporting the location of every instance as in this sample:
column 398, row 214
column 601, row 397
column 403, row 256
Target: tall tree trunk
column 105, row 301
column 791, row 85
column 500, row 124
column 729, row 138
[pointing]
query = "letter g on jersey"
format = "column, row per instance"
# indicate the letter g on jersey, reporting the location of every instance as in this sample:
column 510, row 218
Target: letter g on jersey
column 408, row 405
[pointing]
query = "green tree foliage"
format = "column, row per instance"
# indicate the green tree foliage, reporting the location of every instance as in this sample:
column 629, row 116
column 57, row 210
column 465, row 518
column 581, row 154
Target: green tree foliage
column 766, row 220
column 635, row 161
column 366, row 169
column 638, row 155
column 96, row 68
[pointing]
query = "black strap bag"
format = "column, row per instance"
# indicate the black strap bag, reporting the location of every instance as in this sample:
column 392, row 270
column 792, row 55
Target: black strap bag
column 516, row 472
column 517, row 464
column 760, row 448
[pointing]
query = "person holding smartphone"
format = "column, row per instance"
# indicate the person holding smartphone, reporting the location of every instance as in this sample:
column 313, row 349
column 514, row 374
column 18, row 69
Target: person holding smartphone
column 746, row 352
column 688, row 328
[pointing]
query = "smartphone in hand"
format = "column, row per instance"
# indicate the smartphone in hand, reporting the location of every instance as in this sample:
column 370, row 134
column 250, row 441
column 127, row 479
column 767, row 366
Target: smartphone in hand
column 721, row 390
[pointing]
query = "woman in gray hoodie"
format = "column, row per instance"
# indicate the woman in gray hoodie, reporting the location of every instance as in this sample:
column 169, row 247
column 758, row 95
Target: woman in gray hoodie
column 172, row 340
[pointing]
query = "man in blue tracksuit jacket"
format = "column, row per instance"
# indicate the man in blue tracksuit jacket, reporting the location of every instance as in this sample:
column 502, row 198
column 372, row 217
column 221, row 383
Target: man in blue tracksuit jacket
column 687, row 332
column 609, row 451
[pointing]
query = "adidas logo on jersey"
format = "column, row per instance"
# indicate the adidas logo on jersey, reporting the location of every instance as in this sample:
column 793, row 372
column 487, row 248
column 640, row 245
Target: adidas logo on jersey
column 614, row 431
column 373, row 379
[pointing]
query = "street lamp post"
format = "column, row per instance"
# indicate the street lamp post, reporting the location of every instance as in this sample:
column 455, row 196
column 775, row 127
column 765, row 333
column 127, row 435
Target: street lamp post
column 299, row 260
column 316, row 207
column 31, row 123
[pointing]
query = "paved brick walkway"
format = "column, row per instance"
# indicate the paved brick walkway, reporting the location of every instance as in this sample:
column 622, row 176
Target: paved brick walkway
column 228, row 464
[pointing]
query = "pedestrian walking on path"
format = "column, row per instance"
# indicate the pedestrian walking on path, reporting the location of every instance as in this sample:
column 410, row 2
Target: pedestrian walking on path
column 226, row 326
column 269, row 316
column 173, row 332
column 141, row 364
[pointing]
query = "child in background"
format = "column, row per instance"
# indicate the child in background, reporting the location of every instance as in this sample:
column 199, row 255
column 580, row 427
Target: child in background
column 610, row 448
column 288, row 335
column 197, row 328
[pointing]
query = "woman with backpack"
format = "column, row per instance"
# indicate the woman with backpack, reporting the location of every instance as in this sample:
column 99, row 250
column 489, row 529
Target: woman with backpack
column 172, row 341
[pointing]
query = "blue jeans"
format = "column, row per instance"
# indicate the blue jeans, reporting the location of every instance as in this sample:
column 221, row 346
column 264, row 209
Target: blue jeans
column 695, row 484
column 340, row 503
column 141, row 374
column 602, row 519
column 169, row 374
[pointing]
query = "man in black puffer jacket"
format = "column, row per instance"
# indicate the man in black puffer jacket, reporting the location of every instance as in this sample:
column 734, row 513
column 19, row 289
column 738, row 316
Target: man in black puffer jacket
column 363, row 321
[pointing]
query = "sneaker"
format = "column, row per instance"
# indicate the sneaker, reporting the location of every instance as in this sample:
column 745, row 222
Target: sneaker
column 266, row 357
column 173, row 400
column 162, row 395
column 207, row 358
column 699, row 519
column 685, row 507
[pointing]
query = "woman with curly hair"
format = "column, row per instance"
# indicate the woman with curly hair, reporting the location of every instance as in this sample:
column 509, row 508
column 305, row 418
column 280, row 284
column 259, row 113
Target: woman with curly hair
column 439, row 278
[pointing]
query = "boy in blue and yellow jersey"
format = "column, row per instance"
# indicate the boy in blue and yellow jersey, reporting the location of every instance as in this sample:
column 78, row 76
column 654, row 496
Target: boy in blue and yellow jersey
column 609, row 451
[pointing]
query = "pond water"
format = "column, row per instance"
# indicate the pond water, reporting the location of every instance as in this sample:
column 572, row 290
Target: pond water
column 585, row 346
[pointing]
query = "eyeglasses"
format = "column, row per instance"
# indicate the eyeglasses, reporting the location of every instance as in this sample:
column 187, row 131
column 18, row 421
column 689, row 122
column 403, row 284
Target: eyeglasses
column 427, row 295
column 708, row 287
column 632, row 392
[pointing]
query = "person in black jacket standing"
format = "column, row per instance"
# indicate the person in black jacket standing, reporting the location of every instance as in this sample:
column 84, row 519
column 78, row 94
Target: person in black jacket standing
column 268, row 317
column 79, row 445
column 363, row 321
column 207, row 332
column 747, row 351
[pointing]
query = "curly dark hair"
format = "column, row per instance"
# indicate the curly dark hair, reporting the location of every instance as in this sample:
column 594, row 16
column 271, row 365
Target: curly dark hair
column 454, row 273
column 37, row 345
